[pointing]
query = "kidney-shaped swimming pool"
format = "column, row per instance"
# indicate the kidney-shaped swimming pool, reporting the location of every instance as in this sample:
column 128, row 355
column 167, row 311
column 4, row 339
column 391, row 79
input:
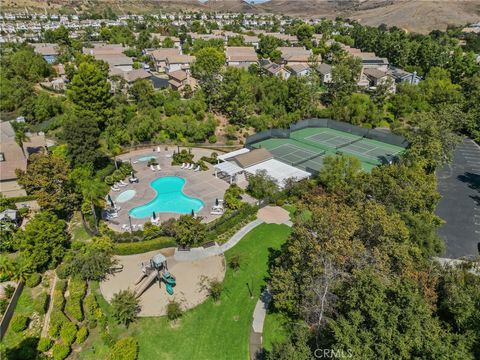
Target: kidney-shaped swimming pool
column 169, row 198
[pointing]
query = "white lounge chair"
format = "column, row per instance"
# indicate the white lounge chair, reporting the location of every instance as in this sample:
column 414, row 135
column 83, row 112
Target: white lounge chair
column 187, row 165
column 183, row 166
column 114, row 188
column 152, row 168
column 140, row 226
column 216, row 212
column 123, row 183
column 119, row 185
column 158, row 168
column 191, row 166
column 125, row 227
column 158, row 148
column 217, row 207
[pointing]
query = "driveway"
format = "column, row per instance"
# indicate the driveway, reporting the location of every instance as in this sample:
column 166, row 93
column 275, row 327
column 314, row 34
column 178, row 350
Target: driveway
column 459, row 185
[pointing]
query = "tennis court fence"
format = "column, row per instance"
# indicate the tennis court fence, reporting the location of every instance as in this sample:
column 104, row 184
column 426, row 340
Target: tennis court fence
column 372, row 134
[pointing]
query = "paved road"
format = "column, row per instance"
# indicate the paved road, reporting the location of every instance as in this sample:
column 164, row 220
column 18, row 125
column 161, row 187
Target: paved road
column 459, row 185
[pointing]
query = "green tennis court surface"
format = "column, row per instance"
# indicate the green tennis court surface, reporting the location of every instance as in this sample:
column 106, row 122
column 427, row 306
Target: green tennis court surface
column 306, row 148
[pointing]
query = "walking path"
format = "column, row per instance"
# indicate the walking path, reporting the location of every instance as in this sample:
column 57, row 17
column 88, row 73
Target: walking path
column 257, row 325
column 46, row 321
column 201, row 252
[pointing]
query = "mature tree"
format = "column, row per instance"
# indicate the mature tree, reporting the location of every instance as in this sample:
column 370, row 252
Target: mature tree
column 189, row 231
column 262, row 186
column 47, row 177
column 295, row 348
column 345, row 75
column 43, row 242
column 268, row 44
column 356, row 109
column 206, row 68
column 125, row 307
column 236, row 96
column 89, row 91
column 341, row 174
column 81, row 134
column 233, row 197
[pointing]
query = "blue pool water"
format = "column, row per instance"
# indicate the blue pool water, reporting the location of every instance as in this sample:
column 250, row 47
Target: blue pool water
column 170, row 198
column 125, row 196
column 146, row 158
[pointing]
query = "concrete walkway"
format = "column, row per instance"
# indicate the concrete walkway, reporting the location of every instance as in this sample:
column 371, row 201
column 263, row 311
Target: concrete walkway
column 201, row 252
column 256, row 332
column 46, row 321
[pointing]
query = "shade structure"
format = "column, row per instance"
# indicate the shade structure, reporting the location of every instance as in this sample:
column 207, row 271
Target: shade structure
column 232, row 154
column 279, row 171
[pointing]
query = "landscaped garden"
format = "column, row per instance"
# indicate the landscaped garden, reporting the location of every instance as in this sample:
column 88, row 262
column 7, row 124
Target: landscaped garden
column 213, row 329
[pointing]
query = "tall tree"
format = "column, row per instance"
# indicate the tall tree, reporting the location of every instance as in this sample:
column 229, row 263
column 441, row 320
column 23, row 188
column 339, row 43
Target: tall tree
column 81, row 134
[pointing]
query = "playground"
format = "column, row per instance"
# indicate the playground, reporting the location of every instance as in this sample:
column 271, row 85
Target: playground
column 157, row 279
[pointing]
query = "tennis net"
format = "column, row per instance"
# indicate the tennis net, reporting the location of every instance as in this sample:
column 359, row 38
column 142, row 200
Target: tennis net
column 348, row 143
column 321, row 153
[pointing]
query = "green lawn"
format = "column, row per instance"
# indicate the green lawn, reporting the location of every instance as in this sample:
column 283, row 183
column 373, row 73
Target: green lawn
column 274, row 329
column 209, row 331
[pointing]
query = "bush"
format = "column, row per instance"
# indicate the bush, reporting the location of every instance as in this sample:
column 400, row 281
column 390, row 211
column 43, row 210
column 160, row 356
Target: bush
column 9, row 290
column 40, row 303
column 73, row 307
column 181, row 157
column 234, row 262
column 60, row 351
column 215, row 289
column 143, row 246
column 19, row 323
column 68, row 332
column 231, row 221
column 174, row 311
column 82, row 335
column 44, row 344
column 58, row 300
column 90, row 305
column 33, row 280
column 57, row 319
column 124, row 349
column 3, row 305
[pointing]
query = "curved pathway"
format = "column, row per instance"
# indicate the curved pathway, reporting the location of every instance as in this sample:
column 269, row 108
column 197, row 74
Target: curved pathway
column 201, row 252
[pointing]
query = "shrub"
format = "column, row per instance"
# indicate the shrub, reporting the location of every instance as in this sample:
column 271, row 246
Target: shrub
column 68, row 332
column 212, row 139
column 9, row 290
column 215, row 289
column 124, row 349
column 234, row 262
column 44, row 344
column 181, row 157
column 143, row 246
column 90, row 305
column 57, row 319
column 40, row 303
column 82, row 335
column 3, row 305
column 58, row 300
column 73, row 306
column 174, row 311
column 33, row 280
column 19, row 323
column 60, row 351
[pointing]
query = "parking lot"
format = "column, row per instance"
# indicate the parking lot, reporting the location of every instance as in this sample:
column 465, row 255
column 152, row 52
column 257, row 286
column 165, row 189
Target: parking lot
column 459, row 185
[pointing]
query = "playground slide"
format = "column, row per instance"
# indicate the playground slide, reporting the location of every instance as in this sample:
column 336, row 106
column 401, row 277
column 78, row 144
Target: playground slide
column 140, row 278
column 145, row 284
column 169, row 289
column 168, row 278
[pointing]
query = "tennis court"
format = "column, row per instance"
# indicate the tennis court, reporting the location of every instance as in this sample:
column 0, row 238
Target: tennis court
column 306, row 148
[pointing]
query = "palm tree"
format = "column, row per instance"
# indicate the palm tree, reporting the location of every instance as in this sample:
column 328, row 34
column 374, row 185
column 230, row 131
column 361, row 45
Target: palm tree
column 20, row 136
column 93, row 191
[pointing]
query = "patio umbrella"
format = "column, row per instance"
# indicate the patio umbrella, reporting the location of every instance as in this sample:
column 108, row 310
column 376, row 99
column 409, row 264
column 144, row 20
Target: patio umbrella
column 193, row 213
column 154, row 217
column 216, row 201
column 132, row 175
column 109, row 198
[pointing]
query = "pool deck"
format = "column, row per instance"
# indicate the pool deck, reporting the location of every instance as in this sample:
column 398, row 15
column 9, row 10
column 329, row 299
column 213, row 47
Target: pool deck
column 201, row 184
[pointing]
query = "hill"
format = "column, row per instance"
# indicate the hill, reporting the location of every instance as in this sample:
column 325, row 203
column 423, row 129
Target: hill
column 412, row 15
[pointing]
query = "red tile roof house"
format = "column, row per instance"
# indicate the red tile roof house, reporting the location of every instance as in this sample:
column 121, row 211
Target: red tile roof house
column 159, row 57
column 295, row 55
column 241, row 56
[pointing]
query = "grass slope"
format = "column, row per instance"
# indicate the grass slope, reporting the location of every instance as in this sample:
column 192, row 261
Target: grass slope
column 210, row 331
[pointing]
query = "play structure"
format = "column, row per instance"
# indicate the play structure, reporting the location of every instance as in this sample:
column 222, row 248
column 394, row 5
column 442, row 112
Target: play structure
column 154, row 270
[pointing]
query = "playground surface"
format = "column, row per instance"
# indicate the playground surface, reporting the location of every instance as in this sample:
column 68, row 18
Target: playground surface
column 188, row 291
column 306, row 148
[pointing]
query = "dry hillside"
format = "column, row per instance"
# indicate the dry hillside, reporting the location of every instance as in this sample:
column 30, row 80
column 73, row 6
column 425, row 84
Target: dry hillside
column 413, row 15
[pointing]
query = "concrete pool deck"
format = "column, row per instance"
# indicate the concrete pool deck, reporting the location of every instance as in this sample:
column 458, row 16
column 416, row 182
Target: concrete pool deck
column 201, row 184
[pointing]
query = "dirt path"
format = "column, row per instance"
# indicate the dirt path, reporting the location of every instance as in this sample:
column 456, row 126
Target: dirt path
column 46, row 321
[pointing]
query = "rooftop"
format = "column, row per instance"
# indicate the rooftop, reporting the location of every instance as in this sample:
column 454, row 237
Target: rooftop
column 253, row 157
column 241, row 53
column 11, row 158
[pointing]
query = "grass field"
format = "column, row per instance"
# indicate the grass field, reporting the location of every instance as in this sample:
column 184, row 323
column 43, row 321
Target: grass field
column 209, row 331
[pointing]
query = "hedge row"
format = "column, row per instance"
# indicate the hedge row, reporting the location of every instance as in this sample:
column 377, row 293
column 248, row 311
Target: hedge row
column 230, row 222
column 144, row 246
column 57, row 319
column 58, row 298
column 40, row 303
column 76, row 292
